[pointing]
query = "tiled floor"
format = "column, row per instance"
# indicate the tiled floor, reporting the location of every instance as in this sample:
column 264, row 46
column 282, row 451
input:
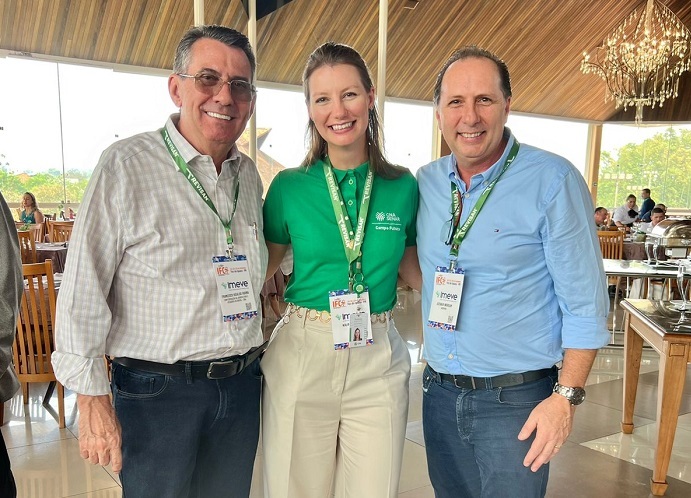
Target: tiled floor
column 597, row 461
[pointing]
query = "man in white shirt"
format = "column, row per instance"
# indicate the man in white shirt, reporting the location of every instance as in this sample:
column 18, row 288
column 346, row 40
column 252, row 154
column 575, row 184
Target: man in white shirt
column 625, row 215
column 183, row 332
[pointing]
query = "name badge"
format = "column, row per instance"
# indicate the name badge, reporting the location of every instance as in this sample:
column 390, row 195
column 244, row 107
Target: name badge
column 350, row 319
column 446, row 298
column 234, row 287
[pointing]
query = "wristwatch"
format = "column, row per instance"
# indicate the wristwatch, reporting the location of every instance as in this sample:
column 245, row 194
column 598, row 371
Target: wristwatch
column 575, row 395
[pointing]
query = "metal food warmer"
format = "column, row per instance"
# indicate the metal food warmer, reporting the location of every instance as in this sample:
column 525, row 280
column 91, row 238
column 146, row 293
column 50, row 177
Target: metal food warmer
column 674, row 236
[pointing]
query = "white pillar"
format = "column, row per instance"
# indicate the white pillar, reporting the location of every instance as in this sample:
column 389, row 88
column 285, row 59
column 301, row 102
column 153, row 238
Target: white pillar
column 381, row 56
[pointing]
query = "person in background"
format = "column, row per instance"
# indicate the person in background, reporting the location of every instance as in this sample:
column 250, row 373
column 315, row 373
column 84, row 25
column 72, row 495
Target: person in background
column 663, row 207
column 349, row 216
column 172, row 297
column 29, row 209
column 625, row 215
column 499, row 303
column 646, row 207
column 11, row 288
column 600, row 216
column 656, row 216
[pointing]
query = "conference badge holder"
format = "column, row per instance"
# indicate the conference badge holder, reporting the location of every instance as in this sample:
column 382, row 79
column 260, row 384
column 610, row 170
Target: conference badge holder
column 350, row 319
column 446, row 298
column 234, row 287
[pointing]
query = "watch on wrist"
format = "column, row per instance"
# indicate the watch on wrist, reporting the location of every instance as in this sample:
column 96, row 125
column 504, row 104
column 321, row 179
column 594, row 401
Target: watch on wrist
column 575, row 395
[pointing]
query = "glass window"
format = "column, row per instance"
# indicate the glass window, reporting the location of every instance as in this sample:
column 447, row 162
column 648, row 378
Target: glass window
column 649, row 156
column 408, row 133
column 565, row 138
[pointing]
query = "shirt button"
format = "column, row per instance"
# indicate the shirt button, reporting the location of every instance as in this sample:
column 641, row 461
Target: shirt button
column 484, row 184
column 350, row 182
column 466, row 195
column 350, row 203
column 450, row 356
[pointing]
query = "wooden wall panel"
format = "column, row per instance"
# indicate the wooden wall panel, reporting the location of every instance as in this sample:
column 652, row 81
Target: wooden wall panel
column 542, row 41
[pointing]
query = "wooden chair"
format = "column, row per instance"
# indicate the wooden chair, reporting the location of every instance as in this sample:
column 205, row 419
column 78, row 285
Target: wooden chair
column 611, row 244
column 27, row 245
column 60, row 231
column 34, row 342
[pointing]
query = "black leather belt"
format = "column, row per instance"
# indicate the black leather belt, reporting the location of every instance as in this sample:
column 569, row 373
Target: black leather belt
column 506, row 380
column 213, row 369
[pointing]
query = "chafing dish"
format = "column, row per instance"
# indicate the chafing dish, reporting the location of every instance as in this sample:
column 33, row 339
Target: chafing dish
column 674, row 235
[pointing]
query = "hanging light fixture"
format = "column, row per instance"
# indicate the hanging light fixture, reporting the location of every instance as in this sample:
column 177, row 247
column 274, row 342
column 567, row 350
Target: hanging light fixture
column 641, row 61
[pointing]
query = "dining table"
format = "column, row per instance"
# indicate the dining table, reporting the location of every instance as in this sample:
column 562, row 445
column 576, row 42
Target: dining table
column 666, row 327
column 55, row 251
column 626, row 269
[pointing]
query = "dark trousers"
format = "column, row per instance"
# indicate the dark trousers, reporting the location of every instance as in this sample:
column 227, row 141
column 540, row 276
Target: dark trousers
column 7, row 486
column 187, row 437
column 471, row 439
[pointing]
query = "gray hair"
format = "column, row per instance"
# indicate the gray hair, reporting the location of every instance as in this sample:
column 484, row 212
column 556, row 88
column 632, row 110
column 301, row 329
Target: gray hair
column 228, row 36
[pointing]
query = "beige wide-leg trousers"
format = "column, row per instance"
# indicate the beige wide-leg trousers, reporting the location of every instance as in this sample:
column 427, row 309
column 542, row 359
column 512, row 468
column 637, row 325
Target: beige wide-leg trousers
column 333, row 419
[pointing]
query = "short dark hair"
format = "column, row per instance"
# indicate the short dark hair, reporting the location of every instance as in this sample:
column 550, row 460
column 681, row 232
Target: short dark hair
column 657, row 211
column 600, row 208
column 631, row 196
column 646, row 190
column 473, row 51
column 228, row 36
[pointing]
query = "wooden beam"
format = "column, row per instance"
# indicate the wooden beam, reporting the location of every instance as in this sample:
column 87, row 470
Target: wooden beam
column 592, row 163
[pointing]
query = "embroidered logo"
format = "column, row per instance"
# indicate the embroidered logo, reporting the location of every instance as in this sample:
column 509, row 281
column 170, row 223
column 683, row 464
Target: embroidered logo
column 387, row 221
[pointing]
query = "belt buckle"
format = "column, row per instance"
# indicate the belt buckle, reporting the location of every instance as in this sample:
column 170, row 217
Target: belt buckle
column 210, row 375
column 455, row 383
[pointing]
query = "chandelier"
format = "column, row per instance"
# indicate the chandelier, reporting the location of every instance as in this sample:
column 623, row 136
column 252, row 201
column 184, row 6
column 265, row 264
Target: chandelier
column 641, row 61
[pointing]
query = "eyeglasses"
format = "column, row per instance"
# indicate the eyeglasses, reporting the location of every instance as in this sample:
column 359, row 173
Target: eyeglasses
column 211, row 84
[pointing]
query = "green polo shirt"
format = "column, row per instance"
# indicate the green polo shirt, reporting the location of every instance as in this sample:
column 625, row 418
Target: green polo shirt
column 298, row 211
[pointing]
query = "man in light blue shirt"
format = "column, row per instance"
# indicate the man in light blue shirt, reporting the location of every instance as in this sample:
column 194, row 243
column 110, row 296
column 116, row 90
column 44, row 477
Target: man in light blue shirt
column 534, row 292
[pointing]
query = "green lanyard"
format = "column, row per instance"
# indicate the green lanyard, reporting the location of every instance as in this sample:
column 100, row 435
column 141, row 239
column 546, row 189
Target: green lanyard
column 352, row 245
column 182, row 166
column 462, row 230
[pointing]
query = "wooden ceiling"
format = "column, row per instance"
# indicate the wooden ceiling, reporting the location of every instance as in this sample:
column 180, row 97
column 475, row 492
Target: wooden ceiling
column 542, row 41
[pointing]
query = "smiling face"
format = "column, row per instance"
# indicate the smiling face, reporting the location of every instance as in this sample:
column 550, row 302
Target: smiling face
column 472, row 112
column 212, row 124
column 339, row 105
column 630, row 202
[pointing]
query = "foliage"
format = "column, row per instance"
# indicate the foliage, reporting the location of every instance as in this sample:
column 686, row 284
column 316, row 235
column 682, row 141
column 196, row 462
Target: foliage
column 660, row 163
column 48, row 187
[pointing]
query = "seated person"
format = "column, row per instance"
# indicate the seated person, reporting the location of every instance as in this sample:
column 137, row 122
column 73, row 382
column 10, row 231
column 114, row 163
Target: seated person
column 600, row 216
column 625, row 215
column 663, row 207
column 656, row 216
column 30, row 212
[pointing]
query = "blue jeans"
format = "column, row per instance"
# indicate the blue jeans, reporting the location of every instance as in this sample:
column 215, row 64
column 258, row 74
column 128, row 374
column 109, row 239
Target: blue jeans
column 471, row 438
column 187, row 437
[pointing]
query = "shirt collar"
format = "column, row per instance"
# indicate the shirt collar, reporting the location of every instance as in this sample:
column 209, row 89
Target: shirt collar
column 186, row 149
column 360, row 172
column 489, row 174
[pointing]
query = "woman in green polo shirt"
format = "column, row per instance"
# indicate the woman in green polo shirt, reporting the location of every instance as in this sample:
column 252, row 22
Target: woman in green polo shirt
column 332, row 405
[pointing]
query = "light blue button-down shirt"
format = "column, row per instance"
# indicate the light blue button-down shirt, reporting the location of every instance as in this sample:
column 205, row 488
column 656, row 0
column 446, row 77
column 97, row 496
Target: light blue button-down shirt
column 534, row 280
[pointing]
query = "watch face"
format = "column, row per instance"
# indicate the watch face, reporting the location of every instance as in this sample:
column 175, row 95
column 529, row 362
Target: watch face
column 575, row 395
column 578, row 396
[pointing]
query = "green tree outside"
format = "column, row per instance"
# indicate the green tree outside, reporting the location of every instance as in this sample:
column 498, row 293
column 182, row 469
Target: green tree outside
column 661, row 163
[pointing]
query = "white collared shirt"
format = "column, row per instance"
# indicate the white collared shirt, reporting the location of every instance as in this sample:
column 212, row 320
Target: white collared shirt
column 138, row 281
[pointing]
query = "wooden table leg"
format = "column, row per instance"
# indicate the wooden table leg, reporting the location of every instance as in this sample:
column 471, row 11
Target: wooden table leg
column 670, row 384
column 633, row 350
